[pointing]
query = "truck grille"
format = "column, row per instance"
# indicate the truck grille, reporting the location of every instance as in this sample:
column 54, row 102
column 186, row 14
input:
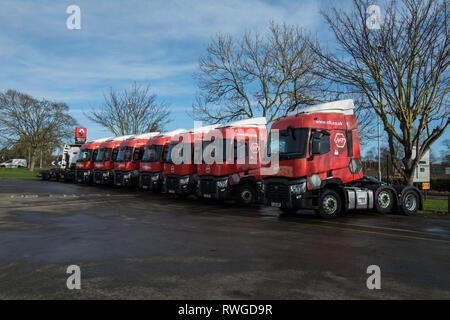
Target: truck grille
column 172, row 183
column 119, row 178
column 80, row 175
column 208, row 186
column 277, row 192
column 98, row 176
column 145, row 180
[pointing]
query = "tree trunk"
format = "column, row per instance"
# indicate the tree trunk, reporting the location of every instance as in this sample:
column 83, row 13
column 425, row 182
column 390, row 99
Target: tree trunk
column 409, row 176
column 32, row 160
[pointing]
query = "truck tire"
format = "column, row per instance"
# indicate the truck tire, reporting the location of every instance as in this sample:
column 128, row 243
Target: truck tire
column 410, row 203
column 384, row 200
column 329, row 204
column 246, row 194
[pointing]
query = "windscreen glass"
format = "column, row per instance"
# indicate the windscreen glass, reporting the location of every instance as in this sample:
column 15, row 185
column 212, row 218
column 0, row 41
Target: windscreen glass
column 291, row 143
column 152, row 153
column 84, row 155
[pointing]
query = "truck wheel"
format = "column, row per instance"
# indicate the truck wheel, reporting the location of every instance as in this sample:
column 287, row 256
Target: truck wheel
column 246, row 194
column 384, row 200
column 410, row 203
column 329, row 204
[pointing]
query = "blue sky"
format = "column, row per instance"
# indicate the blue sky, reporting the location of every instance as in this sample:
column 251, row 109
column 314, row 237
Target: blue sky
column 156, row 42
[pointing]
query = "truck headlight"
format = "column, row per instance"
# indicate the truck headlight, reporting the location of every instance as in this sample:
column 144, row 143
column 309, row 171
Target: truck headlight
column 184, row 180
column 298, row 188
column 155, row 177
column 222, row 183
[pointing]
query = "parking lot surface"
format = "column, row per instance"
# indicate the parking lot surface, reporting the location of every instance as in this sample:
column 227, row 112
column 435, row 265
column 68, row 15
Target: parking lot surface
column 139, row 245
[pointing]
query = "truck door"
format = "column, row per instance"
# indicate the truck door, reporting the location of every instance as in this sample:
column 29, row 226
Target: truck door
column 320, row 155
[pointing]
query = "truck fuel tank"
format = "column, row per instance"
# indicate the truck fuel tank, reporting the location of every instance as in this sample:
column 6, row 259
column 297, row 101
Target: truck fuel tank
column 359, row 198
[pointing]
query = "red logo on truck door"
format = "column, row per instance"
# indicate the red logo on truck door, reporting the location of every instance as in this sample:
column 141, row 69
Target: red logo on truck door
column 339, row 140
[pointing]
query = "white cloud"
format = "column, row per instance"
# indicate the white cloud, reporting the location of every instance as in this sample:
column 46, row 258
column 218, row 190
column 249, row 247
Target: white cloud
column 156, row 41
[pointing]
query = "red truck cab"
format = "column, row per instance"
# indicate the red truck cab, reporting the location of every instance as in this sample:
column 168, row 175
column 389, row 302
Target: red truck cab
column 235, row 173
column 84, row 167
column 152, row 163
column 319, row 166
column 126, row 166
column 106, row 156
column 318, row 146
column 180, row 168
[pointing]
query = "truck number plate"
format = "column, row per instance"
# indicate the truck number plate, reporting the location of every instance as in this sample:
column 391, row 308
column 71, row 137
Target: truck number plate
column 171, row 191
column 207, row 196
column 276, row 204
column 144, row 187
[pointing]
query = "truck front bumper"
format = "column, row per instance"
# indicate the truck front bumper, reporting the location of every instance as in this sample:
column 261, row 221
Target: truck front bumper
column 180, row 185
column 277, row 193
column 83, row 176
column 212, row 187
column 124, row 179
column 103, row 177
column 150, row 181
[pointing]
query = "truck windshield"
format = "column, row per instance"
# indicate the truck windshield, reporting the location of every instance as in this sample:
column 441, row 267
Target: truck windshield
column 171, row 146
column 84, row 155
column 104, row 154
column 152, row 153
column 226, row 144
column 125, row 154
column 291, row 144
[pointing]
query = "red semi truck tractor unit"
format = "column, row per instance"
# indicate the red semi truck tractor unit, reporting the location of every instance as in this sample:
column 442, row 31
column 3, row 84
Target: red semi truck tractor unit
column 184, row 153
column 235, row 172
column 126, row 166
column 320, row 167
column 152, row 163
column 106, row 156
column 84, row 168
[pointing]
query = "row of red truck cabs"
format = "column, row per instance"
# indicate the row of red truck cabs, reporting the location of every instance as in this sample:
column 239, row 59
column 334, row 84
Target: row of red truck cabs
column 317, row 165
column 145, row 161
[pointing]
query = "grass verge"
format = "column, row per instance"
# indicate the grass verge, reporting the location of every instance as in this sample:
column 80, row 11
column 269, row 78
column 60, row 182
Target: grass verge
column 17, row 173
column 433, row 206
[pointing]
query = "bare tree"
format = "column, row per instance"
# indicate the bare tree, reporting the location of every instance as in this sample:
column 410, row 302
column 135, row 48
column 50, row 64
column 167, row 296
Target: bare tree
column 400, row 68
column 256, row 75
column 37, row 125
column 131, row 111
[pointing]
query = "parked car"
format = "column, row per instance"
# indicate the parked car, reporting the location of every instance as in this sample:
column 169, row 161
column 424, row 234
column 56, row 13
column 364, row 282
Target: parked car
column 14, row 163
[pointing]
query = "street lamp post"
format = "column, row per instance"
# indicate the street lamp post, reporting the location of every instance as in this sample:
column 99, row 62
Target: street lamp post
column 379, row 150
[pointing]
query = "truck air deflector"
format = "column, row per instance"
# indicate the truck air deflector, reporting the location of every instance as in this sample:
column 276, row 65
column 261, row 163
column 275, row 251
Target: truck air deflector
column 355, row 166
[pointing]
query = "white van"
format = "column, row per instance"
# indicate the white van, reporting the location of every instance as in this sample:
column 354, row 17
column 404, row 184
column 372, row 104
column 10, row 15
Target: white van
column 14, row 163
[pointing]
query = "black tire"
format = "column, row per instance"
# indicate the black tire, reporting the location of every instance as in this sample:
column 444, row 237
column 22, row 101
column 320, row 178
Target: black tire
column 410, row 203
column 246, row 194
column 330, row 204
column 384, row 200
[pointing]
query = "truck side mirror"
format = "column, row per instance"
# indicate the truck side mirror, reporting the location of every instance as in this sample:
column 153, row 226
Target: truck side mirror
column 315, row 149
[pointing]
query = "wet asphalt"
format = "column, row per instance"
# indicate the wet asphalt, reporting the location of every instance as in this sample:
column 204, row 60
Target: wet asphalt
column 139, row 245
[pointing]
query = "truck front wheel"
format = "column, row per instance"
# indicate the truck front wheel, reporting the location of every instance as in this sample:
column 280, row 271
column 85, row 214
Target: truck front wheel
column 329, row 204
column 246, row 194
